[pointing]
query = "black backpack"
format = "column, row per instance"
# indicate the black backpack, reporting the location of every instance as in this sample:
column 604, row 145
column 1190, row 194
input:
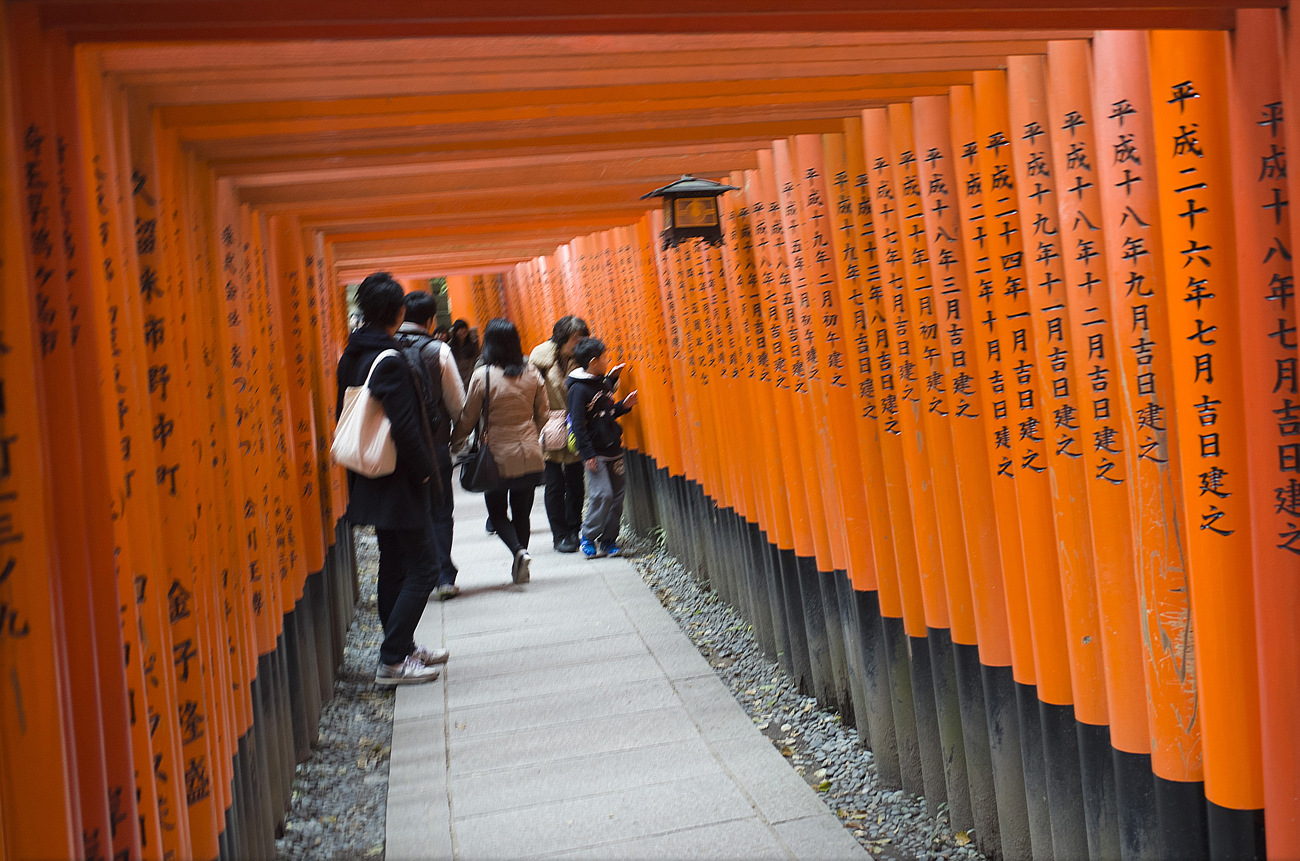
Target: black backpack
column 413, row 345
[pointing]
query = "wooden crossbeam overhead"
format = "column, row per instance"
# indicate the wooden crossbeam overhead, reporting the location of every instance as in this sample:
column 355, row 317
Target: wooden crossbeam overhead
column 403, row 132
column 179, row 58
column 285, row 172
column 656, row 128
column 149, row 20
column 496, row 180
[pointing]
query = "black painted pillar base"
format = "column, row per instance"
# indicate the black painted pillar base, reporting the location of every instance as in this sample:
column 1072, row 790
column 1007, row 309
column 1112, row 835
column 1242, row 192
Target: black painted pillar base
column 1100, row 805
column 947, row 698
column 876, row 690
column 1184, row 826
column 1235, row 835
column 1064, row 782
column 1007, row 758
column 1031, row 753
column 897, row 649
column 1135, row 800
column 776, row 603
column 840, row 694
column 814, row 622
column 848, row 605
column 979, row 763
column 801, row 663
column 933, row 754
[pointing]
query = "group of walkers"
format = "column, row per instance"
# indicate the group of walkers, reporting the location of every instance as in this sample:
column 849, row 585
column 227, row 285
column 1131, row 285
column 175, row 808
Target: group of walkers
column 549, row 418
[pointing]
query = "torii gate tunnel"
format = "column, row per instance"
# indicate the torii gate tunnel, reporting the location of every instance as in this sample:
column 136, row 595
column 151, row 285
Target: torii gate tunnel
column 986, row 413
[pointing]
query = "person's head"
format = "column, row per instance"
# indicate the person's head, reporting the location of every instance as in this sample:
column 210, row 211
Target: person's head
column 442, row 333
column 459, row 331
column 567, row 332
column 591, row 355
column 421, row 308
column 501, row 347
column 382, row 302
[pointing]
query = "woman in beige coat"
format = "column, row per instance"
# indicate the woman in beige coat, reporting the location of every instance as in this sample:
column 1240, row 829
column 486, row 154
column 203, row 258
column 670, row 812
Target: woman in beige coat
column 565, row 490
column 513, row 396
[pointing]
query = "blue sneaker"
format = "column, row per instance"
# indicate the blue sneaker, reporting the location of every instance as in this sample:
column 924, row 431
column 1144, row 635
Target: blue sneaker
column 613, row 550
column 590, row 550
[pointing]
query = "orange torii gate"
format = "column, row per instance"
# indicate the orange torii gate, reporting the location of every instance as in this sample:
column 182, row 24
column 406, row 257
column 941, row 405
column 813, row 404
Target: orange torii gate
column 1009, row 313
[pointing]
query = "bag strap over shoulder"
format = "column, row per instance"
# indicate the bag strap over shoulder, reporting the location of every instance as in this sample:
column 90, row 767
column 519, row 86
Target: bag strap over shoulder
column 384, row 355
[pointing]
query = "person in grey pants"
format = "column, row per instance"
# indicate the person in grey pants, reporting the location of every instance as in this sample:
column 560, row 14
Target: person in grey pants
column 593, row 417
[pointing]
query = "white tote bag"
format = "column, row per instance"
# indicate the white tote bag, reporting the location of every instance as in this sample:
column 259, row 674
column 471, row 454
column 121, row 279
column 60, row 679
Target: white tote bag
column 363, row 440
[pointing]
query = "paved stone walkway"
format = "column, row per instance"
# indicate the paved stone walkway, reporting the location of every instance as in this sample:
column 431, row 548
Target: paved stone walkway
column 576, row 720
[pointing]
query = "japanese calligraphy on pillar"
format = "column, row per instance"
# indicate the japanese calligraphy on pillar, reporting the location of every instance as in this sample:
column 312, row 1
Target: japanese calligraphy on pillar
column 1003, row 315
column 1266, row 300
column 907, row 477
column 968, row 184
column 1092, row 337
column 1007, row 335
column 983, row 607
column 27, row 639
column 1189, row 96
column 1125, row 168
column 171, row 425
column 1039, row 185
column 1267, row 303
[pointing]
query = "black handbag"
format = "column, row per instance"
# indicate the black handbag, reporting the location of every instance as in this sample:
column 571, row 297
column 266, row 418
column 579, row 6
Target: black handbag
column 478, row 474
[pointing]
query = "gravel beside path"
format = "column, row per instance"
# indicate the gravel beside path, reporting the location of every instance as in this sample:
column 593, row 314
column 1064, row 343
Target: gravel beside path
column 340, row 793
column 826, row 754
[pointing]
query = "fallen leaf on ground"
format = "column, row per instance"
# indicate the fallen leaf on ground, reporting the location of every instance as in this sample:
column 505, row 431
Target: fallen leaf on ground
column 961, row 838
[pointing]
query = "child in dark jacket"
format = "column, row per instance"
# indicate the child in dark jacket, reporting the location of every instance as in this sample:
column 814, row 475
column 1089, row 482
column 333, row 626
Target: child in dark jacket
column 593, row 416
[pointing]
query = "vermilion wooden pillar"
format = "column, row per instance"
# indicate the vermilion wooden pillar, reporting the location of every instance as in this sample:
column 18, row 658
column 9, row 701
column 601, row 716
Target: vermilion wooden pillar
column 1190, row 101
column 1260, row 128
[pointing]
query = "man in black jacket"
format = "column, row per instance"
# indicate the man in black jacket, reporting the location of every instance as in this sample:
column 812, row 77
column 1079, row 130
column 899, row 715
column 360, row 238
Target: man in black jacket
column 593, row 417
column 445, row 396
column 397, row 505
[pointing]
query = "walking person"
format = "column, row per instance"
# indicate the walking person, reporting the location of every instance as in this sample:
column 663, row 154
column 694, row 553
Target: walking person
column 565, row 488
column 512, row 395
column 593, row 415
column 397, row 505
column 464, row 346
column 444, row 398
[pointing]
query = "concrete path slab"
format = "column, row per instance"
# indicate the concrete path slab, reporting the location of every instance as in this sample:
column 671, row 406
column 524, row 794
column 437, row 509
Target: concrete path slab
column 576, row 720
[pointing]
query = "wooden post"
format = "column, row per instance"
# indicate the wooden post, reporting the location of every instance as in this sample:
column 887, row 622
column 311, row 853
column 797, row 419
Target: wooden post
column 1189, row 94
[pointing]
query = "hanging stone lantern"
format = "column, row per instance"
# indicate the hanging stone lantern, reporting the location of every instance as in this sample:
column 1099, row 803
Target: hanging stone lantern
column 691, row 210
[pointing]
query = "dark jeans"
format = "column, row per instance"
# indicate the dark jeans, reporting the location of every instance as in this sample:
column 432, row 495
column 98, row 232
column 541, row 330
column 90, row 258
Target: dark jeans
column 509, row 509
column 444, row 514
column 565, row 492
column 407, row 572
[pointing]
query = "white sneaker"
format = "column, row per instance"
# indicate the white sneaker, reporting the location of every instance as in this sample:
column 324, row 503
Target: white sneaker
column 429, row 656
column 519, row 571
column 411, row 671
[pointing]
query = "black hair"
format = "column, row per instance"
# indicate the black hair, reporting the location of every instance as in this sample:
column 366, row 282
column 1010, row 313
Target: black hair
column 501, row 346
column 381, row 300
column 588, row 351
column 459, row 324
column 420, row 307
column 442, row 330
column 566, row 327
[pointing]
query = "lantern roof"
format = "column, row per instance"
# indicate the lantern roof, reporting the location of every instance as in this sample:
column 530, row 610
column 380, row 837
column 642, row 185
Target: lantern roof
column 689, row 185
